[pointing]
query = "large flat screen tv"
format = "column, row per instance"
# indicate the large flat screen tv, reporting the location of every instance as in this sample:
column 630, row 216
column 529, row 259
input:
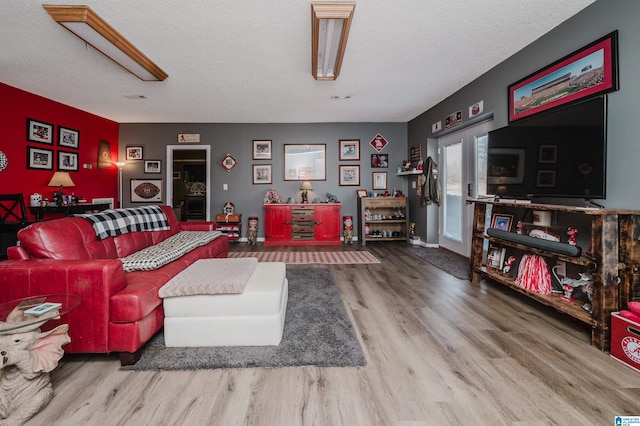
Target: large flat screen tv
column 558, row 154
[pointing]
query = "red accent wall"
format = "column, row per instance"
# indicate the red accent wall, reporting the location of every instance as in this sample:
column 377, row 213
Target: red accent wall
column 16, row 106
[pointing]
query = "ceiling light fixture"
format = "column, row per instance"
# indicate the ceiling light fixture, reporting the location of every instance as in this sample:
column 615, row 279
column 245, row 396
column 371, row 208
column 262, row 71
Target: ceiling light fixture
column 87, row 25
column 330, row 23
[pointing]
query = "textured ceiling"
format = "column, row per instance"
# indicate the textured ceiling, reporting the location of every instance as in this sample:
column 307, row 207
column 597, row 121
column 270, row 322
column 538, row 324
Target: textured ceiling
column 249, row 61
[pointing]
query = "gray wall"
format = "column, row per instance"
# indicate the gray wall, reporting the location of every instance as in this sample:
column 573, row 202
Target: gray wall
column 236, row 139
column 597, row 20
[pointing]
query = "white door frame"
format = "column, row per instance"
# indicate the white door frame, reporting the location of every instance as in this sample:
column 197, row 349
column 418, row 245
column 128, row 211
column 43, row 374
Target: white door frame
column 169, row 177
column 469, row 157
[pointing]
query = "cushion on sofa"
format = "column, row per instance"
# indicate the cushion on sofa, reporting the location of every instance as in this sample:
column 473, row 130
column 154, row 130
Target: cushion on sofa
column 69, row 238
column 174, row 247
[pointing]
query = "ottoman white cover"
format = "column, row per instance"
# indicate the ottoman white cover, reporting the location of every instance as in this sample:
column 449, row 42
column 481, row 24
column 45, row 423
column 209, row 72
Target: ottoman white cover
column 254, row 317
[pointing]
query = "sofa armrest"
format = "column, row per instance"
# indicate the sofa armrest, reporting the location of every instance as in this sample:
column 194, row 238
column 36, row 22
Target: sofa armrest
column 95, row 281
column 198, row 226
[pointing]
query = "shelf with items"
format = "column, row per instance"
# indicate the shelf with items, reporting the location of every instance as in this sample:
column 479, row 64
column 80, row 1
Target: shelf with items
column 230, row 225
column 610, row 253
column 382, row 219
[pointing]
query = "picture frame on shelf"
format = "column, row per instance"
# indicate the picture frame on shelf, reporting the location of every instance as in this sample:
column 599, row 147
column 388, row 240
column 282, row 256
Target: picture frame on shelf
column 133, row 153
column 362, row 193
column 69, row 138
column 495, row 257
column 262, row 174
column 68, row 161
column 147, row 190
column 349, row 149
column 153, row 166
column 502, row 222
column 262, row 150
column 39, row 131
column 349, row 175
column 585, row 73
column 39, row 159
column 379, row 180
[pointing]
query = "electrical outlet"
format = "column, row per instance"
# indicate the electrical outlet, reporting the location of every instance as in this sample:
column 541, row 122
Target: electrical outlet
column 561, row 268
column 225, row 187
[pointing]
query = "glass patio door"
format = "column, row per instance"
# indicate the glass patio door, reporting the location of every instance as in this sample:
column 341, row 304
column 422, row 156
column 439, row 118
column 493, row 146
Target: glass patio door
column 460, row 174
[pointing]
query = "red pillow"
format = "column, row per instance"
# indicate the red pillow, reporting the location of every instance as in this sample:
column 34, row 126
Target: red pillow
column 630, row 316
column 634, row 307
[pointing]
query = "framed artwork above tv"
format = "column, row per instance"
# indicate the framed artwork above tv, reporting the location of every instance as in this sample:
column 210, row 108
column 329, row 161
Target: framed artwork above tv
column 585, row 73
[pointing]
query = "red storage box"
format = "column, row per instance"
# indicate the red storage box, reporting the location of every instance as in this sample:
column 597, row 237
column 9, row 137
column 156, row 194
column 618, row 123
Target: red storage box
column 625, row 340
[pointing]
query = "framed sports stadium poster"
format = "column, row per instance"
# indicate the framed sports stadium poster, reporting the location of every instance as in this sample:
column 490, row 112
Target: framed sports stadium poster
column 588, row 72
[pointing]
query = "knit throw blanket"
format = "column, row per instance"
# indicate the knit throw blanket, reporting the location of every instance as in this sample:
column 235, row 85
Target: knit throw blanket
column 211, row 276
column 173, row 248
column 111, row 223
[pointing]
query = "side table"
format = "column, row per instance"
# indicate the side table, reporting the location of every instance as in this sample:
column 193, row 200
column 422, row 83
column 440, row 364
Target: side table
column 231, row 225
column 29, row 354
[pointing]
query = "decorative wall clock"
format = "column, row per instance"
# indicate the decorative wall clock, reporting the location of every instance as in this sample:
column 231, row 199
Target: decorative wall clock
column 228, row 162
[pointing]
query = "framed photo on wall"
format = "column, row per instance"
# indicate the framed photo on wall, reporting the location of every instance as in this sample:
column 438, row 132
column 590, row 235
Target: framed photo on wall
column 41, row 159
column 262, row 150
column 39, row 131
column 133, row 153
column 68, row 137
column 349, row 175
column 68, row 161
column 379, row 180
column 153, row 166
column 146, row 190
column 261, row 174
column 379, row 161
column 349, row 149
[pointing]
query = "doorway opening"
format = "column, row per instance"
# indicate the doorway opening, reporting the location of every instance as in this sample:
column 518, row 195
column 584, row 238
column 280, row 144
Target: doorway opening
column 189, row 177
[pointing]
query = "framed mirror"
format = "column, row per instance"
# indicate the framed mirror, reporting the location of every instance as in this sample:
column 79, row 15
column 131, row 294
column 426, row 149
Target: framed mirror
column 305, row 162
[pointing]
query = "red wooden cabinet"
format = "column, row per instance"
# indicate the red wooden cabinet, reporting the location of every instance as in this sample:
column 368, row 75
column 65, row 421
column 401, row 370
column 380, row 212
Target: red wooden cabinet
column 302, row 224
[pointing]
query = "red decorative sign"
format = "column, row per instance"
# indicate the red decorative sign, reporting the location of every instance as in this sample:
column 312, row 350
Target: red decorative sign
column 379, row 142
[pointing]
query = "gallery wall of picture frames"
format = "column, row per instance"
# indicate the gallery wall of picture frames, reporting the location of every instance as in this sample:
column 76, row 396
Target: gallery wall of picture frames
column 40, row 158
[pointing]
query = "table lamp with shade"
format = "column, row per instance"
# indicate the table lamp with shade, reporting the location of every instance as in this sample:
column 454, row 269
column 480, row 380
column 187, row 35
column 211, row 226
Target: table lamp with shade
column 60, row 179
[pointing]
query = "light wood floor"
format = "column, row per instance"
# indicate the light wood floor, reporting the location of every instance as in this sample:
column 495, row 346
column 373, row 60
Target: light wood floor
column 440, row 351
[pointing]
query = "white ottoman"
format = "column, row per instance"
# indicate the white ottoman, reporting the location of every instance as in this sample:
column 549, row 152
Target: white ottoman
column 254, row 317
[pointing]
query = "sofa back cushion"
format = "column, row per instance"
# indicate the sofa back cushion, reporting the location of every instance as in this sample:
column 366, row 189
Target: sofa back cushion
column 70, row 238
column 73, row 238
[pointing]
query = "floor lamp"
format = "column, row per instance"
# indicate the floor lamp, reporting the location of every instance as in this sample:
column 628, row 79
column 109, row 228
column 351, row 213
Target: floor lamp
column 120, row 166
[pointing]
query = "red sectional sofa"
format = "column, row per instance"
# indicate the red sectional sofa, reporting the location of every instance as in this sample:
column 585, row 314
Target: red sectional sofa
column 119, row 311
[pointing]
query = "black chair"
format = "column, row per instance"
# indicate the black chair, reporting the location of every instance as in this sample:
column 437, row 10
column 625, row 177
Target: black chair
column 13, row 217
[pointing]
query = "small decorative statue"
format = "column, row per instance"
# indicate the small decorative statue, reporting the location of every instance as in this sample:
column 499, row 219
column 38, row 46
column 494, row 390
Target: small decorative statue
column 331, row 198
column 252, row 232
column 520, row 227
column 573, row 235
column 348, row 229
column 28, row 355
column 508, row 264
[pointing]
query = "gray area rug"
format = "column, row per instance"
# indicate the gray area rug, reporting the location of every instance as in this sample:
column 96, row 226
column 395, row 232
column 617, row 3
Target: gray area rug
column 453, row 263
column 317, row 331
